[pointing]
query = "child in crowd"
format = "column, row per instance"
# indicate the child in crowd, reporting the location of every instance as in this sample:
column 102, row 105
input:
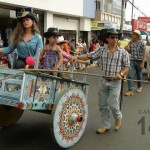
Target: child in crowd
column 66, row 57
column 51, row 57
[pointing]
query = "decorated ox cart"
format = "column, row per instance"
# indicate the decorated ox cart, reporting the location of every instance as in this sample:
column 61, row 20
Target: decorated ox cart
column 65, row 100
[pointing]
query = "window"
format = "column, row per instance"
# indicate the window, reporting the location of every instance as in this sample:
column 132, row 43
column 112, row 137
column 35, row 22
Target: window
column 98, row 5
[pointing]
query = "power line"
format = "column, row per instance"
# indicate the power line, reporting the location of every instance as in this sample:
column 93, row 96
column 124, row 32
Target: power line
column 137, row 8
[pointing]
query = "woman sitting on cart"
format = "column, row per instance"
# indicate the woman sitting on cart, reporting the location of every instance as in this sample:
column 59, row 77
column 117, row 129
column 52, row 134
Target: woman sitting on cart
column 26, row 39
column 51, row 56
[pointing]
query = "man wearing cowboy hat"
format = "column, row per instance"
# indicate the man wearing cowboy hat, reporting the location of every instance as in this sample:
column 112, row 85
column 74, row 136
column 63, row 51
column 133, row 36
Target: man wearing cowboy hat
column 137, row 50
column 114, row 64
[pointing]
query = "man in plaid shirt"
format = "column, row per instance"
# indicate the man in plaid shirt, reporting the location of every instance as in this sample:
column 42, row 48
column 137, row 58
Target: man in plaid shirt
column 137, row 50
column 114, row 64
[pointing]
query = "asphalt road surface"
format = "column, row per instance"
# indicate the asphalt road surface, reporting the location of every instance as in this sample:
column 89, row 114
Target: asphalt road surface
column 31, row 132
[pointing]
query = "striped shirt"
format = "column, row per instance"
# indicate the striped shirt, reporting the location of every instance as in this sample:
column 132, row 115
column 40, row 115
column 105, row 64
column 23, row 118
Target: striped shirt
column 110, row 64
column 137, row 50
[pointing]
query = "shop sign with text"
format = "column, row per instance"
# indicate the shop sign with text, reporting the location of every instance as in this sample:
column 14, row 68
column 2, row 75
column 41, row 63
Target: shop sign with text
column 97, row 25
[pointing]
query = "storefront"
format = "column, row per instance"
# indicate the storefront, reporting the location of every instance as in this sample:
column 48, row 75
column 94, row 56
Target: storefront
column 67, row 26
column 71, row 27
column 98, row 28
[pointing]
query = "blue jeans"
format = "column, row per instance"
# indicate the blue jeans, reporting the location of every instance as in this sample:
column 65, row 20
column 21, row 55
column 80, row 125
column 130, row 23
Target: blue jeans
column 135, row 68
column 109, row 93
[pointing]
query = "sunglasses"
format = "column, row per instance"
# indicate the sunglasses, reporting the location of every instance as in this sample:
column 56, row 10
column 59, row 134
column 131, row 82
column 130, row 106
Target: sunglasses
column 134, row 34
column 54, row 37
column 113, row 37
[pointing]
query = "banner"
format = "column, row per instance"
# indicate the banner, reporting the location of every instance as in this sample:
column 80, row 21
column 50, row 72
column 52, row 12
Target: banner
column 139, row 25
column 145, row 19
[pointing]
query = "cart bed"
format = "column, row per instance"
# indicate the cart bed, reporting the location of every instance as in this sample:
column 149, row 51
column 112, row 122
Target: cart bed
column 33, row 91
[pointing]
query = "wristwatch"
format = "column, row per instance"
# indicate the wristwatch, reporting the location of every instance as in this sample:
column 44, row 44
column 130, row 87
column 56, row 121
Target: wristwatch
column 121, row 74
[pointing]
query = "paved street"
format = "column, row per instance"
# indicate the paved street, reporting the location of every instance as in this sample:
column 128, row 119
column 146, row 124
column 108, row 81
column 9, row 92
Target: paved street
column 32, row 131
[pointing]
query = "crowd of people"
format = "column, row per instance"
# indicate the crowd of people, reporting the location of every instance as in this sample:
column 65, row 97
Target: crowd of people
column 58, row 54
column 26, row 31
column 26, row 41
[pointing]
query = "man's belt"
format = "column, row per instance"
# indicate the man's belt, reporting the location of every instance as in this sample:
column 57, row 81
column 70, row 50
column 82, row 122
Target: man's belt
column 109, row 79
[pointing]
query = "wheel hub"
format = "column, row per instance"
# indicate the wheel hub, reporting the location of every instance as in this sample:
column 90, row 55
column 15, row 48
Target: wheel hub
column 74, row 117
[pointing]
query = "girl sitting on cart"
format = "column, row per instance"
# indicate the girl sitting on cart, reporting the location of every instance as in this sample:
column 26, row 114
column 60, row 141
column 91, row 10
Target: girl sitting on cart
column 51, row 57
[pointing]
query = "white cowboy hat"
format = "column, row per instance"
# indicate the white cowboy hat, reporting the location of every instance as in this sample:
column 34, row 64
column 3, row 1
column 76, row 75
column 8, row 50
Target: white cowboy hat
column 80, row 45
column 61, row 40
column 137, row 32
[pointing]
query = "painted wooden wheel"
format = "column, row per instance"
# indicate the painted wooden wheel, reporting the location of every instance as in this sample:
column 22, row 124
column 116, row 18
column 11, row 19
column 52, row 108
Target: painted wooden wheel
column 9, row 115
column 69, row 117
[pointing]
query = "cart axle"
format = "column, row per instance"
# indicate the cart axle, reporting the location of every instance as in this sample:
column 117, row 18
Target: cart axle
column 73, row 118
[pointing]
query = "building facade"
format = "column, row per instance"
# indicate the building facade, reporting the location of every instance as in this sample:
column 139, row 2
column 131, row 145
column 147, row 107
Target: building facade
column 116, row 7
column 107, row 15
column 73, row 18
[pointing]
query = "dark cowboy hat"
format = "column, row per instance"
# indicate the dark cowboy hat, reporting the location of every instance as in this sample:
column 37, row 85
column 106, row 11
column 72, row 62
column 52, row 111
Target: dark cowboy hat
column 51, row 32
column 110, row 32
column 27, row 14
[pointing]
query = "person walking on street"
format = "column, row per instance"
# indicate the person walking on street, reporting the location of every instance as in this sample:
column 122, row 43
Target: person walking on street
column 114, row 64
column 136, row 48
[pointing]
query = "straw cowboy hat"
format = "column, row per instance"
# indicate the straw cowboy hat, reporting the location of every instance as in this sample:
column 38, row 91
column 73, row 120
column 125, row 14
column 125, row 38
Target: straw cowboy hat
column 110, row 32
column 51, row 32
column 137, row 32
column 27, row 14
column 61, row 40
column 79, row 45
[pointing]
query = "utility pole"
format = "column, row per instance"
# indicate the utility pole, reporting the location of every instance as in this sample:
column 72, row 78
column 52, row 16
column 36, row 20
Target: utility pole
column 132, row 13
column 132, row 10
column 122, row 15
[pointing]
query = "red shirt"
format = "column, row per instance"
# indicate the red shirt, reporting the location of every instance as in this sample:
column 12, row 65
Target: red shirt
column 92, row 47
column 66, row 48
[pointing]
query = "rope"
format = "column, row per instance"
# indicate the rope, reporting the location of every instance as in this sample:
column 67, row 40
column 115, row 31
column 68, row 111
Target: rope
column 68, row 72
column 79, row 73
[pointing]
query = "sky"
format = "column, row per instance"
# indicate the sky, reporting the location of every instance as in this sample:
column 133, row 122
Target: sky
column 143, row 5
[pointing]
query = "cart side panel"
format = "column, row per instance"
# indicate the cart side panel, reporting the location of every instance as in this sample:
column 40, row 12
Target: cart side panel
column 10, row 88
column 37, row 92
column 28, row 87
column 62, row 85
column 33, row 91
column 41, row 92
